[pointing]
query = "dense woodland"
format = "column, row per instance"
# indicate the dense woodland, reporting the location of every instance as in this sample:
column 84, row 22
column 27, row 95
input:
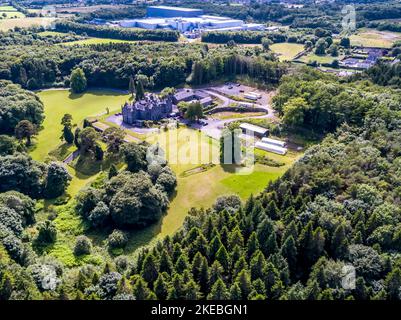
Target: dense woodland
column 117, row 33
column 112, row 65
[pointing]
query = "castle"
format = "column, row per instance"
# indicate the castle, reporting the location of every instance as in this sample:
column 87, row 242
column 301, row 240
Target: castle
column 152, row 107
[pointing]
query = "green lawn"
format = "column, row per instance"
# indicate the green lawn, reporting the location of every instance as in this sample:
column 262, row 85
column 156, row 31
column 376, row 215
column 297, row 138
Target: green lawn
column 286, row 51
column 59, row 102
column 319, row 58
column 202, row 189
column 95, row 41
column 374, row 38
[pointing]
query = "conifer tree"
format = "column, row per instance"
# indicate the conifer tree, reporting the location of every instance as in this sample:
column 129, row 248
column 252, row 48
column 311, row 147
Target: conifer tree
column 160, row 288
column 219, row 291
column 150, row 269
column 165, row 264
column 253, row 244
column 223, row 258
column 289, row 252
column 244, row 282
column 257, row 266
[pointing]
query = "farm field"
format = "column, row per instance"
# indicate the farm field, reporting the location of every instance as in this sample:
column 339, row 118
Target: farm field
column 7, row 12
column 11, row 14
column 286, row 51
column 7, row 24
column 374, row 38
column 7, row 8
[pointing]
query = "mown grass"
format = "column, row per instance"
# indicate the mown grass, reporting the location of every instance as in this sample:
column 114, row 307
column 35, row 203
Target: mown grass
column 326, row 58
column 374, row 38
column 59, row 102
column 95, row 41
column 286, row 51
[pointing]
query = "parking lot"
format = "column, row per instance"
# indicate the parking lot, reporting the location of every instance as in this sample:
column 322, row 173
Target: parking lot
column 239, row 90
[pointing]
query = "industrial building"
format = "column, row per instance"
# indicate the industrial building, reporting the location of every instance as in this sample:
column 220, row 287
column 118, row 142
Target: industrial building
column 170, row 12
column 186, row 21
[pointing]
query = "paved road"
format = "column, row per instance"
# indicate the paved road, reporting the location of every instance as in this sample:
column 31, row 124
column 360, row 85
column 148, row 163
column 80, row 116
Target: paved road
column 214, row 126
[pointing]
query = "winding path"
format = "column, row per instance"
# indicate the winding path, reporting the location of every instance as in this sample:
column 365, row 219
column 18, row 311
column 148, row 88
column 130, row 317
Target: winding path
column 214, row 126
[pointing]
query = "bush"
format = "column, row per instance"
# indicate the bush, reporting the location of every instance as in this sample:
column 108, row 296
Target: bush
column 57, row 180
column 47, row 233
column 99, row 215
column 87, row 200
column 117, row 239
column 82, row 246
column 231, row 202
column 167, row 180
column 121, row 263
column 10, row 221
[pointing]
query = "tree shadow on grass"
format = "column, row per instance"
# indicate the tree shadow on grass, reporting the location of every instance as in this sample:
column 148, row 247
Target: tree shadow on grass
column 74, row 96
column 137, row 237
column 86, row 166
column 98, row 92
column 230, row 168
column 61, row 152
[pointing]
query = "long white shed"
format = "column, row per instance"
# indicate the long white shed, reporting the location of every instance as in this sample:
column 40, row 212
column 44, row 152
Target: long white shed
column 275, row 142
column 271, row 148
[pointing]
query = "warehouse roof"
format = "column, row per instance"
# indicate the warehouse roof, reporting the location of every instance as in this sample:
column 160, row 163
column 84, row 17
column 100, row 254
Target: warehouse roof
column 175, row 8
column 253, row 128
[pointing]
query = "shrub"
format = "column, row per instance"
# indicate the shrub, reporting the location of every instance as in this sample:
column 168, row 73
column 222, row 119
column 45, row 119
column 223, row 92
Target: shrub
column 117, row 239
column 47, row 233
column 82, row 246
column 231, row 202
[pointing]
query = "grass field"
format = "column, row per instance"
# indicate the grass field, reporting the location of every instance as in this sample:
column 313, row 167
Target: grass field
column 286, row 51
column 95, row 41
column 59, row 102
column 51, row 33
column 319, row 58
column 11, row 14
column 7, row 24
column 7, row 12
column 374, row 38
column 236, row 115
column 7, row 8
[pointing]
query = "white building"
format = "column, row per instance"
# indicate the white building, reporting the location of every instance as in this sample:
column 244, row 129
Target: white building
column 251, row 128
column 186, row 24
column 275, row 142
column 270, row 147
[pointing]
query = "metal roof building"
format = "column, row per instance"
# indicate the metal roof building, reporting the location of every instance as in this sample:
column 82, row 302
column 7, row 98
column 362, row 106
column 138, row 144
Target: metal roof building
column 258, row 131
column 274, row 141
column 169, row 12
column 271, row 148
